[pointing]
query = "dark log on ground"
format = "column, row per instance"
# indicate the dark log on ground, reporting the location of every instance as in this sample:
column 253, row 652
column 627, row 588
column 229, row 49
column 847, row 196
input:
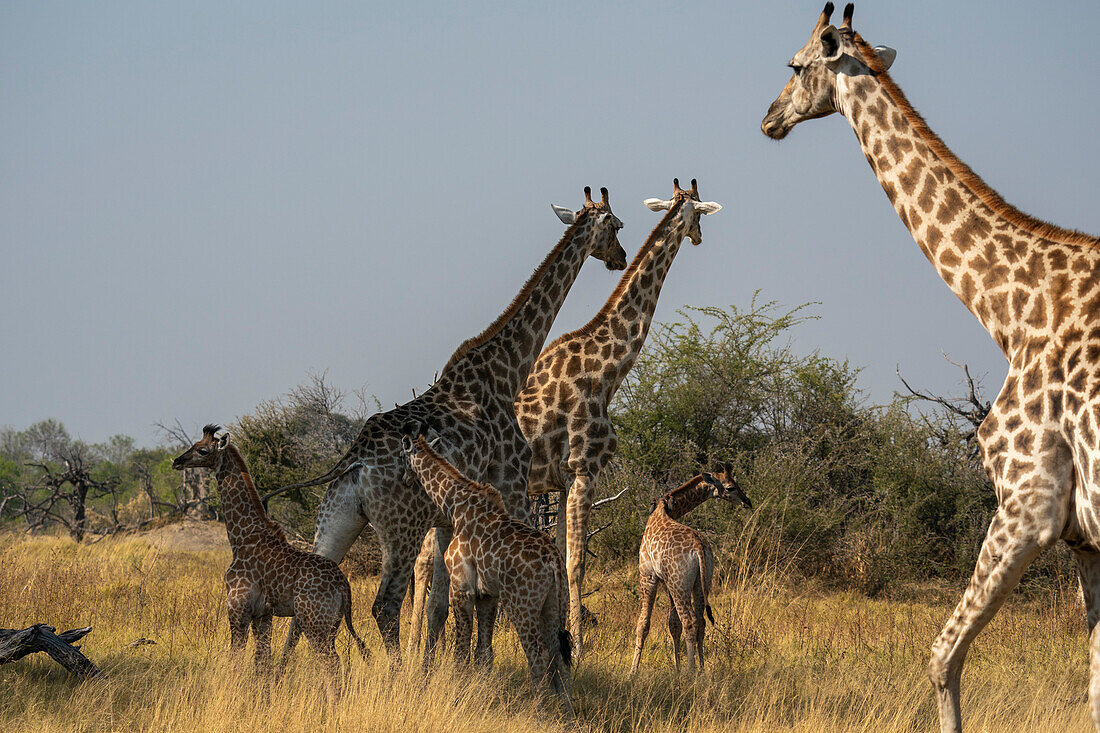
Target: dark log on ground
column 18, row 643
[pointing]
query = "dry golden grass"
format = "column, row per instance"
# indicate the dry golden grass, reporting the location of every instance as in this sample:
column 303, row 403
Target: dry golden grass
column 779, row 659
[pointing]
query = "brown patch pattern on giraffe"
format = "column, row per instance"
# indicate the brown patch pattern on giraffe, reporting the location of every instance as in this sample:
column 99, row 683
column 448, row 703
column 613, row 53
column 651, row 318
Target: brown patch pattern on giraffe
column 1034, row 286
column 269, row 577
column 680, row 558
column 493, row 558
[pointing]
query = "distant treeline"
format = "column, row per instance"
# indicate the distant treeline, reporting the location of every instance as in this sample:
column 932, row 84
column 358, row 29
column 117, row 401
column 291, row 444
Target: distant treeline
column 853, row 495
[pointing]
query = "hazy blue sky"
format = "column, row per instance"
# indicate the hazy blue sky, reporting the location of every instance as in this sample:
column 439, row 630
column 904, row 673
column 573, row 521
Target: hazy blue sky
column 200, row 204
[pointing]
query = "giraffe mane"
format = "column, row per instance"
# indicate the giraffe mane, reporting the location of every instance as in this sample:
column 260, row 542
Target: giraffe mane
column 671, row 495
column 250, row 488
column 624, row 283
column 454, row 473
column 521, row 297
column 965, row 174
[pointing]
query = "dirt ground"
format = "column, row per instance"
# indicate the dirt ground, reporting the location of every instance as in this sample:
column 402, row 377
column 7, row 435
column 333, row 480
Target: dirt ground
column 190, row 535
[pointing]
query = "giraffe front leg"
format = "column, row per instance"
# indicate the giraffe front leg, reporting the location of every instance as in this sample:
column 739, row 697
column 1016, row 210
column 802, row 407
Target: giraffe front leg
column 1015, row 538
column 438, row 598
column 648, row 593
column 1088, row 570
column 422, row 574
column 238, row 594
column 576, row 540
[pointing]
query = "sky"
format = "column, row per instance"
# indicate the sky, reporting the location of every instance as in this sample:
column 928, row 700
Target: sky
column 201, row 204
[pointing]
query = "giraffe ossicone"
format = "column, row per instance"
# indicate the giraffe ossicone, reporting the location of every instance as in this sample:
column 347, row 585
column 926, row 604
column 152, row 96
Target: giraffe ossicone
column 1034, row 286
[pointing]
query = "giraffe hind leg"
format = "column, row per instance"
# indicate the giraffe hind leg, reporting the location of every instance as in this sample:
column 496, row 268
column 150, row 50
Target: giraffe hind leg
column 648, row 595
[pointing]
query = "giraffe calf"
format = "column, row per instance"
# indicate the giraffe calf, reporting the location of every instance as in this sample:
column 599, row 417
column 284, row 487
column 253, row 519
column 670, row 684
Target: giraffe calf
column 269, row 577
column 678, row 556
column 493, row 557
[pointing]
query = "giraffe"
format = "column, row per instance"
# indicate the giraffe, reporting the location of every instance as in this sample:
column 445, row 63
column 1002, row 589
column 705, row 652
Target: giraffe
column 1034, row 286
column 471, row 403
column 268, row 577
column 494, row 557
column 681, row 558
column 563, row 408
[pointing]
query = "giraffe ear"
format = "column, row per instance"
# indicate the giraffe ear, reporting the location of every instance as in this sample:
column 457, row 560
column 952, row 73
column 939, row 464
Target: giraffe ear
column 407, row 443
column 223, row 440
column 886, row 55
column 830, row 45
column 658, row 204
column 706, row 207
column 566, row 215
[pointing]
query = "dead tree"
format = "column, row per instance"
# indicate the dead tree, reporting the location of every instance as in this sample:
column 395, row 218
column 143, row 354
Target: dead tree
column 18, row 643
column 970, row 410
column 61, row 496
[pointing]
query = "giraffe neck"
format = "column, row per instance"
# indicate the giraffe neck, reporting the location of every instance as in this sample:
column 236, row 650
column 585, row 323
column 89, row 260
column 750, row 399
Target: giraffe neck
column 683, row 499
column 511, row 344
column 245, row 518
column 630, row 308
column 994, row 257
column 453, row 493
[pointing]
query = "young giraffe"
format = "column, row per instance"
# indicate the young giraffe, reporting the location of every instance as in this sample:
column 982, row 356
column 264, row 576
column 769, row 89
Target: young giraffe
column 471, row 403
column 268, row 577
column 563, row 409
column 681, row 558
column 494, row 556
column 1034, row 286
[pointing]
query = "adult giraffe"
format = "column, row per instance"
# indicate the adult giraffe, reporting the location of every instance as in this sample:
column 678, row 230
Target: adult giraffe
column 1034, row 286
column 563, row 409
column 470, row 405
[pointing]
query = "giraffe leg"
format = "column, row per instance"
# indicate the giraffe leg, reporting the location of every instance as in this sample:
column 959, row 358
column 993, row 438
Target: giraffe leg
column 675, row 627
column 562, row 522
column 577, row 510
column 462, row 605
column 396, row 571
column 538, row 656
column 293, row 634
column 422, row 573
column 261, row 632
column 486, row 607
column 698, row 602
column 1012, row 542
column 681, row 601
column 323, row 644
column 648, row 593
column 438, row 598
column 552, row 624
column 1088, row 570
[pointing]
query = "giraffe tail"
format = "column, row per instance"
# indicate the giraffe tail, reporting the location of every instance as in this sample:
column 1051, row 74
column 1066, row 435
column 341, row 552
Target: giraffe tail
column 704, row 578
column 363, row 651
column 565, row 644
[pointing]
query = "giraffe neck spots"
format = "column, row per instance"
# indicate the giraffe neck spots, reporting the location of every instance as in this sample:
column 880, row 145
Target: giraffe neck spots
column 1019, row 285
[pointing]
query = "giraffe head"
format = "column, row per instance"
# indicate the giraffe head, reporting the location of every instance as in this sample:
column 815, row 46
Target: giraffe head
column 726, row 486
column 205, row 452
column 690, row 208
column 595, row 223
column 812, row 89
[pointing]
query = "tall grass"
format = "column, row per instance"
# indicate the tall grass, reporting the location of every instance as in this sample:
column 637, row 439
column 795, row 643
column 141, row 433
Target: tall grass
column 780, row 658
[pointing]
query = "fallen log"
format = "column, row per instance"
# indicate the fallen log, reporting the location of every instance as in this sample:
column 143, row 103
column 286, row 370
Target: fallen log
column 18, row 643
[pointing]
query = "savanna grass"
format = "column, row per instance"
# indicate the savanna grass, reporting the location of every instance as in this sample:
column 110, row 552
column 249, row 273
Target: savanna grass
column 780, row 658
